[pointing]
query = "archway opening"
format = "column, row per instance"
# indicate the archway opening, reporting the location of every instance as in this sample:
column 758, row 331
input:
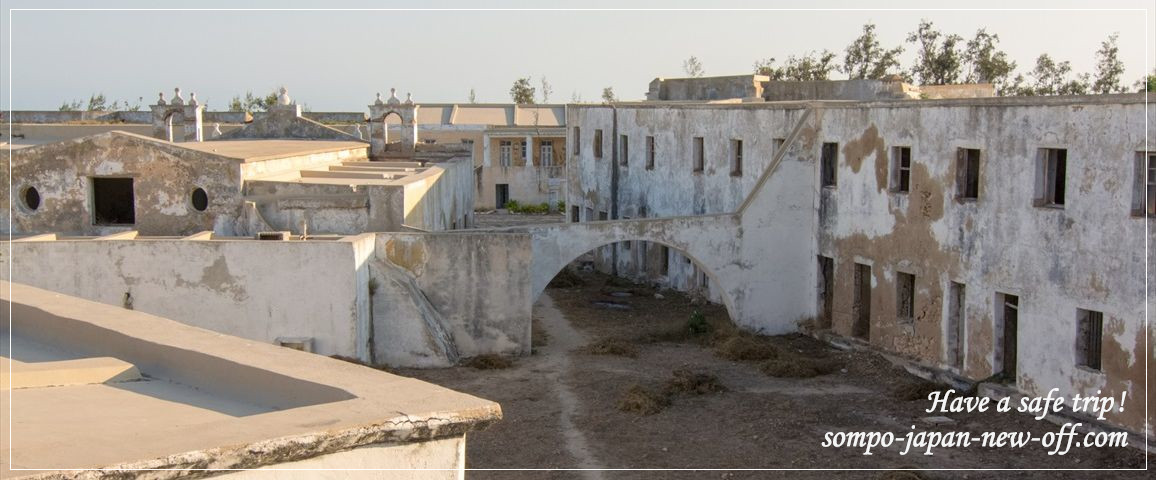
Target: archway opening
column 392, row 124
column 175, row 126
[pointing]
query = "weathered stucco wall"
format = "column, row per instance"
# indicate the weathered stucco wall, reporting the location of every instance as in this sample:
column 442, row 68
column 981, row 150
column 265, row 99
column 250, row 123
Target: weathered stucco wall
column 1086, row 255
column 164, row 178
column 441, row 197
column 260, row 290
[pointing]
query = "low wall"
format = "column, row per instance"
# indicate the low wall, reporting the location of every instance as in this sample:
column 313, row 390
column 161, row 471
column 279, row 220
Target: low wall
column 442, row 197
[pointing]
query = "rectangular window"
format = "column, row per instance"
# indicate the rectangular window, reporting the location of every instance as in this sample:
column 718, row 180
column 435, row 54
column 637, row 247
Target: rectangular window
column 505, row 153
column 114, row 202
column 905, row 297
column 598, row 143
column 901, row 169
column 1089, row 338
column 524, row 151
column 1051, row 176
column 546, row 153
column 967, row 174
column 575, row 215
column 828, row 162
column 956, row 313
column 861, row 302
column 577, row 140
column 603, row 216
column 736, row 158
column 1007, row 308
column 589, row 214
column 650, row 153
column 624, row 149
column 826, row 290
column 664, row 260
column 1144, row 188
column 698, row 153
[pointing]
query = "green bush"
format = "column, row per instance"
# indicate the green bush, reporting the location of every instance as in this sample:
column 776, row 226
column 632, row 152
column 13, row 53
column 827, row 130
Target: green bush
column 514, row 207
column 697, row 323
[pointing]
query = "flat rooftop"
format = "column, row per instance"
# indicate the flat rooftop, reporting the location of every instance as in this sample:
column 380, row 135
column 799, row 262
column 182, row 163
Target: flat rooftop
column 97, row 386
column 258, row 150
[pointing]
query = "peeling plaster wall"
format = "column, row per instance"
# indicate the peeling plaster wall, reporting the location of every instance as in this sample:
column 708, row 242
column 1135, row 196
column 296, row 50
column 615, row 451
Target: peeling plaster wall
column 164, row 178
column 528, row 186
column 1087, row 255
column 478, row 282
column 258, row 290
column 441, row 197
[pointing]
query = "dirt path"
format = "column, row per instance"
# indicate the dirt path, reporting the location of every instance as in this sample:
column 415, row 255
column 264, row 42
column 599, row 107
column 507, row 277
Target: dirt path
column 556, row 364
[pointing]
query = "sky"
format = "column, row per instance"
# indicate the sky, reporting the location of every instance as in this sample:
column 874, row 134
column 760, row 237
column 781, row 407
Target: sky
column 337, row 60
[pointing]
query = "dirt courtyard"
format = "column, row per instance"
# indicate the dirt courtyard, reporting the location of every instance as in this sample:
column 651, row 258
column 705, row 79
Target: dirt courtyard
column 601, row 391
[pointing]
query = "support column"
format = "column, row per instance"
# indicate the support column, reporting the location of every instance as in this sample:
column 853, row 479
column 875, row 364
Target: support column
column 529, row 151
column 486, row 162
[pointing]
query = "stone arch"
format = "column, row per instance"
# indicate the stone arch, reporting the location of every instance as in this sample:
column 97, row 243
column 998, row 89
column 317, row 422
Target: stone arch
column 552, row 254
column 379, row 130
column 189, row 115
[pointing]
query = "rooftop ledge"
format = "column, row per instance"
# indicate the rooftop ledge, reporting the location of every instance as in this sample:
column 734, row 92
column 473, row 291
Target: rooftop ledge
column 137, row 391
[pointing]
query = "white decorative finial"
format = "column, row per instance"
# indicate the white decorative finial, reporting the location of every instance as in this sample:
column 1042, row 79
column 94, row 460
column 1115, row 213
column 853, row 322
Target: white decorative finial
column 216, row 130
column 193, row 99
column 357, row 128
column 177, row 98
column 378, row 100
column 283, row 99
column 161, row 101
column 409, row 99
column 393, row 96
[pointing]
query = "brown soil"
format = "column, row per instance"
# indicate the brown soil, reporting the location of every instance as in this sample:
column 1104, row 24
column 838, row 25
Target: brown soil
column 561, row 406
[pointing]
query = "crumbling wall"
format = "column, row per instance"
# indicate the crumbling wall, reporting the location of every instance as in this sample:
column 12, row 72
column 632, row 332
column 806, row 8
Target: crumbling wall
column 164, row 179
column 441, row 197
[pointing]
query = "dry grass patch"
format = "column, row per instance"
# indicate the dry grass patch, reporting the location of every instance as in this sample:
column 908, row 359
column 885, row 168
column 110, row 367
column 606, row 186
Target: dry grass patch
column 643, row 401
column 489, row 362
column 566, row 279
column 690, row 382
column 611, row 346
column 792, row 366
column 915, row 390
column 746, row 348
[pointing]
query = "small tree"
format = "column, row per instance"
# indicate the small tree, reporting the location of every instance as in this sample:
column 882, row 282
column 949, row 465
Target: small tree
column 547, row 89
column 938, row 60
column 809, row 67
column 1109, row 68
column 252, row 103
column 97, row 102
column 70, row 106
column 1052, row 78
column 608, row 95
column 1147, row 84
column 521, row 92
column 987, row 64
column 693, row 67
column 865, row 58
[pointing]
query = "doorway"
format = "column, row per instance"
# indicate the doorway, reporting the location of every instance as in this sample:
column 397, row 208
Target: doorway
column 861, row 302
column 1007, row 308
column 501, row 195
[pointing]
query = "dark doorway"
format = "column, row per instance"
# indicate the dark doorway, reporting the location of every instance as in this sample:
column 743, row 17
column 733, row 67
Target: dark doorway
column 1008, row 306
column 501, row 195
column 861, row 302
column 113, row 201
column 826, row 290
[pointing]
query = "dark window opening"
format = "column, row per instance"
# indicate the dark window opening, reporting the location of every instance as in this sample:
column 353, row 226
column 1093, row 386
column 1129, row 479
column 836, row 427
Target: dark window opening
column 664, row 261
column 736, row 158
column 31, row 198
column 826, row 290
column 200, row 199
column 861, row 302
column 501, row 195
column 624, row 147
column 650, row 153
column 602, row 215
column 1052, row 174
column 905, row 297
column 901, row 169
column 1144, row 189
column 1007, row 319
column 956, row 311
column 575, row 214
column 1089, row 338
column 113, row 201
column 698, row 154
column 577, row 140
column 828, row 161
column 967, row 174
column 598, row 143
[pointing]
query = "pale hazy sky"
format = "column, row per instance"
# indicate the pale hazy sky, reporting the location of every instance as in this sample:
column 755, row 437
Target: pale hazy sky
column 337, row 60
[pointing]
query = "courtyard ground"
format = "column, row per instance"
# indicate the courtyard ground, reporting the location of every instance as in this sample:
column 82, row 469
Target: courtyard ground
column 618, row 380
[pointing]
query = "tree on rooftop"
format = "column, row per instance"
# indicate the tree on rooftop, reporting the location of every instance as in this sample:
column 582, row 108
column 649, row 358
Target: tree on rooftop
column 547, row 89
column 522, row 93
column 1147, row 84
column 812, row 66
column 608, row 95
column 938, row 60
column 252, row 103
column 1052, row 78
column 693, row 67
column 1109, row 68
column 865, row 58
column 987, row 64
